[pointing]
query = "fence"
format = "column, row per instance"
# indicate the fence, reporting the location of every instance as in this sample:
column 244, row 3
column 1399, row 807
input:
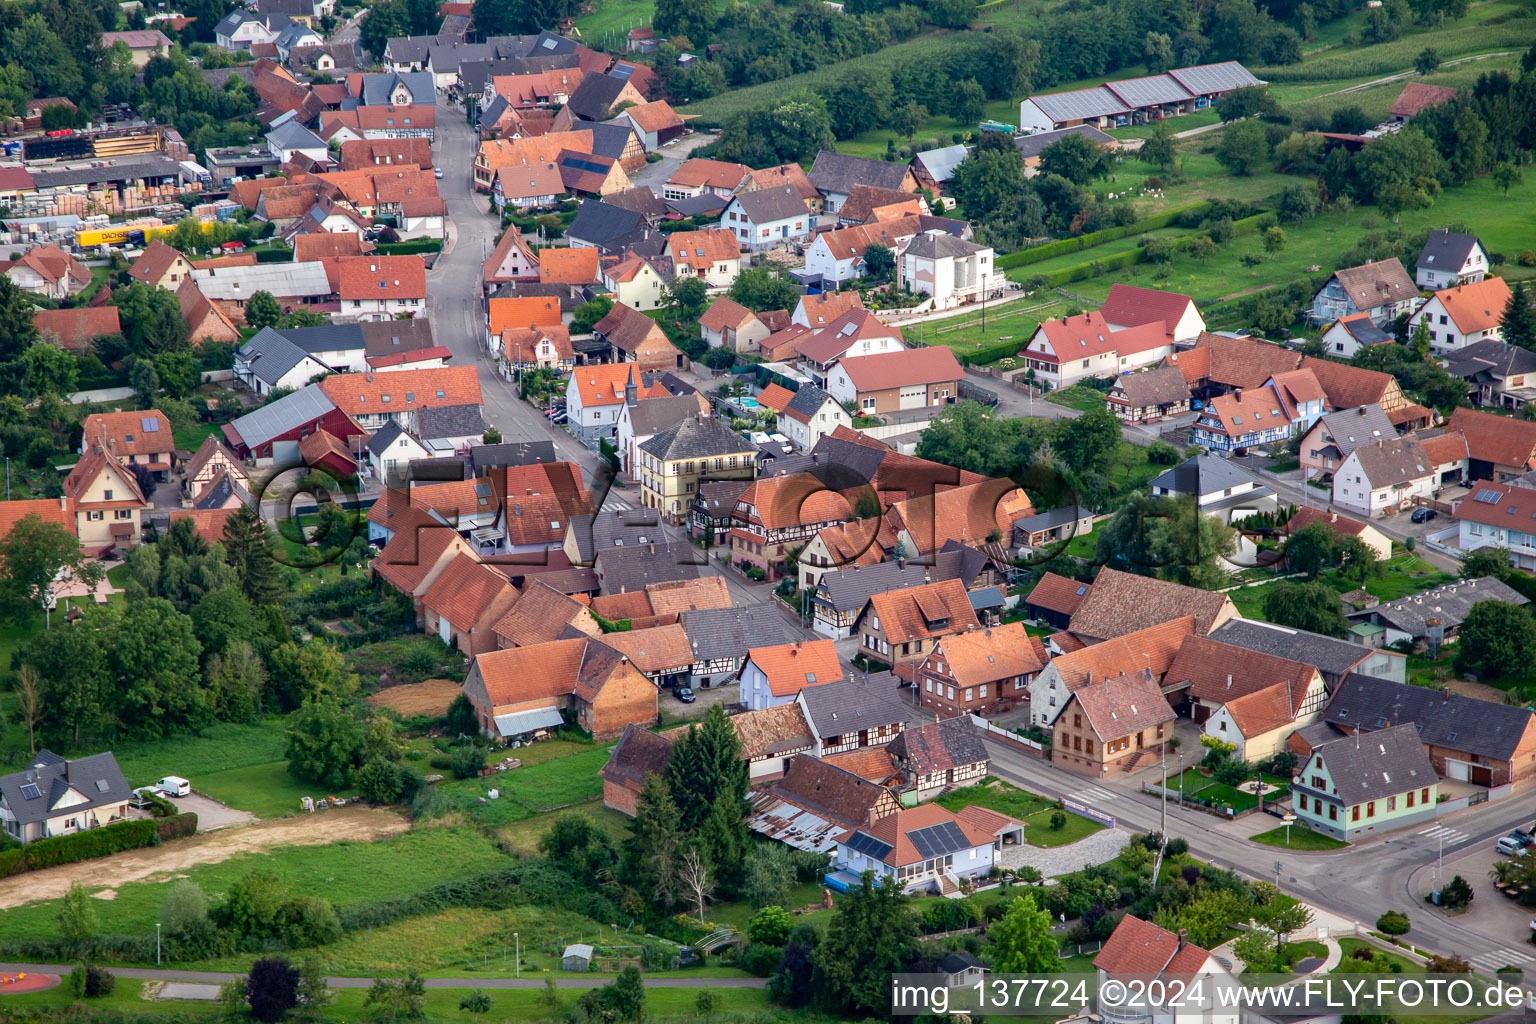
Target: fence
column 1084, row 811
column 998, row 732
column 1492, row 795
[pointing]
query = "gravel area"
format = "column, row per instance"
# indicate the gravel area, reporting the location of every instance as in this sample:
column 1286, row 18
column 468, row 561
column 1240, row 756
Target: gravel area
column 1061, row 860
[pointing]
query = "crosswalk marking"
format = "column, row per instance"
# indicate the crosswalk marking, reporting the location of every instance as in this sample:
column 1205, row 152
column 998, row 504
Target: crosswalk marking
column 1451, row 836
column 617, row 503
column 1494, row 959
column 1090, row 794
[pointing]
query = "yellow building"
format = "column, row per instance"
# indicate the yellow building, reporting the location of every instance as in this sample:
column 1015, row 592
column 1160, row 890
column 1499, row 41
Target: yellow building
column 107, row 502
column 673, row 462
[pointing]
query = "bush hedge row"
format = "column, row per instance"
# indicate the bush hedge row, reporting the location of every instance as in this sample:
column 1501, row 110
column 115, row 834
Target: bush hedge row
column 1050, row 250
column 410, row 247
column 991, row 353
column 93, row 843
column 278, row 254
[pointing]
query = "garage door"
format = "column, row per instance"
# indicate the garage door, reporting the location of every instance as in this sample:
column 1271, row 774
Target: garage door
column 1482, row 776
column 1459, row 771
column 913, row 398
column 286, row 453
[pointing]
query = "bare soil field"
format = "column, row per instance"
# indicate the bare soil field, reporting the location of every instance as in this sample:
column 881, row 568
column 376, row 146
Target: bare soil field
column 430, row 697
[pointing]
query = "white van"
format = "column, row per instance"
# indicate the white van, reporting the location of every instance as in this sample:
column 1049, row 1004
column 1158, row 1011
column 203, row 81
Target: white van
column 174, row 785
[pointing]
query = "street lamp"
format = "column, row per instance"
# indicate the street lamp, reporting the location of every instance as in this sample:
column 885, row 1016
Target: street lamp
column 517, row 965
column 157, row 943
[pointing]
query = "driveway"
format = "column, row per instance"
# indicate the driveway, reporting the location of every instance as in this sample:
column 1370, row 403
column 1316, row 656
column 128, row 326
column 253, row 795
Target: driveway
column 210, row 813
column 672, row 156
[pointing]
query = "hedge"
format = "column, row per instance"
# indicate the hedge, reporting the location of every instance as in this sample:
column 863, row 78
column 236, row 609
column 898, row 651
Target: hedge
column 1050, row 250
column 93, row 843
column 278, row 254
column 991, row 353
column 410, row 247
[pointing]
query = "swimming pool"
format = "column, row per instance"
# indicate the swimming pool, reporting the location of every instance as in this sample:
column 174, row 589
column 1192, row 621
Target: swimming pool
column 747, row 403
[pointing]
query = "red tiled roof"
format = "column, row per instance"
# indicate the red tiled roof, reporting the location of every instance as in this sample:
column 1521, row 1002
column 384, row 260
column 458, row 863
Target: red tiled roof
column 76, row 327
column 908, row 368
column 1500, row 440
column 1477, row 306
column 1122, row 602
column 49, row 510
column 1146, row 650
column 365, row 393
column 146, row 432
column 1058, row 593
column 917, row 613
column 568, row 265
column 697, row 172
column 1140, row 947
column 1129, row 305
column 1417, row 96
column 895, row 830
column 469, row 594
column 792, row 667
column 207, row 522
column 366, row 278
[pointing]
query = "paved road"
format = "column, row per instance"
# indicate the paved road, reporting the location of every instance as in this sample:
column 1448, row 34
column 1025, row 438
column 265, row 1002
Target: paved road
column 1358, row 883
column 219, row 977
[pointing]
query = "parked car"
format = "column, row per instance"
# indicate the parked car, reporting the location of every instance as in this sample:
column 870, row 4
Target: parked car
column 437, row 172
column 1423, row 515
column 174, row 785
column 684, row 694
column 1526, row 835
column 1510, row 847
column 141, row 796
column 1523, row 838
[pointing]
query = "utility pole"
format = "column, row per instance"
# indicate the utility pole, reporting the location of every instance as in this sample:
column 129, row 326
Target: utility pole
column 517, row 966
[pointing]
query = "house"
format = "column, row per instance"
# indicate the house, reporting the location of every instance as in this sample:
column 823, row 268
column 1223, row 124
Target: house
column 775, row 517
column 771, row 738
column 1129, row 306
column 1149, row 395
column 535, row 348
column 1497, row 374
column 656, row 123
column 1146, row 653
column 446, row 429
column 1119, row 603
column 1498, row 447
column 1490, row 516
column 807, row 415
column 816, row 802
column 210, row 465
column 1256, row 417
column 511, row 260
column 74, row 330
column 416, row 553
column 729, row 324
column 934, row 167
column 47, row 270
column 775, row 675
column 1244, row 697
column 897, row 381
column 524, row 689
column 1463, row 315
column 293, row 285
column 634, row 281
column 637, row 339
column 1354, row 785
column 1352, row 334
column 867, row 204
column 160, row 266
column 712, row 255
column 950, row 270
column 661, row 653
column 857, row 542
column 1055, row 599
column 382, row 287
column 823, row 308
column 674, row 462
column 1433, row 616
column 465, row 603
column 143, row 44
column 1450, row 258
column 979, row 515
column 1144, row 951
column 1222, row 489
column 1390, row 475
column 1136, row 100
column 1467, row 739
column 595, row 396
column 901, row 626
column 242, row 29
column 857, row 332
column 373, row 399
column 624, row 569
column 1063, row 352
column 107, row 501
column 391, row 450
column 1112, row 726
column 1333, row 658
column 836, row 257
column 767, row 217
column 269, row 362
column 291, row 139
column 969, row 671
column 271, row 434
column 542, row 615
column 853, row 714
column 638, row 755
column 641, row 419
column 136, row 438
column 836, row 174
column 1328, row 442
column 53, row 796
column 920, row 848
column 1381, row 290
column 940, row 755
column 720, row 639
column 380, row 122
column 1417, row 97
column 697, row 176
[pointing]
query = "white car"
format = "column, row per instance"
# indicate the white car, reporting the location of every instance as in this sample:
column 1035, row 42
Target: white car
column 437, row 172
column 174, row 785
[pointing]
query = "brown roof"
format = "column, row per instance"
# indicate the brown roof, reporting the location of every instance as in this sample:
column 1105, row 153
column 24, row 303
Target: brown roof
column 723, row 313
column 993, row 822
column 794, row 499
column 568, row 265
column 91, row 465
column 628, row 328
column 774, row 396
column 321, row 244
column 1234, row 362
column 792, row 667
column 75, row 328
column 196, row 310
column 917, row 613
column 1058, row 593
column 413, row 551
column 508, row 312
column 792, row 175
column 520, row 345
column 360, row 153
column 701, row 173
column 1161, row 385
column 1217, row 672
column 363, row 393
column 677, row 596
column 907, row 368
column 1378, row 283
column 982, row 655
column 857, row 542
column 658, row 649
column 1348, row 386
column 1122, row 706
column 1149, row 650
column 470, row 594
column 654, row 117
column 639, row 753
column 1140, row 947
column 54, row 264
column 864, row 200
column 872, row 763
column 1122, row 602
column 1306, row 515
column 146, row 432
column 940, row 746
column 772, row 731
column 1417, row 96
column 822, row 309
column 211, row 445
column 322, row 443
column 540, row 615
column 1263, row 710
column 634, row 604
column 829, row 791
column 153, row 262
column 1501, row 440
column 518, row 675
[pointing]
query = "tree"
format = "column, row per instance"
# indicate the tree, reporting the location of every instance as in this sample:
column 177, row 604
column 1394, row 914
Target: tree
column 155, row 667
column 1519, row 319
column 1427, row 60
column 1022, row 939
column 314, row 992
column 987, row 181
column 1457, row 893
column 1312, row 606
column 248, row 548
column 35, row 558
column 588, row 314
column 1157, row 49
column 1242, row 148
column 691, row 18
column 911, row 118
column 697, row 880
column 1207, row 917
column 77, row 917
column 1283, row 919
column 879, row 262
column 762, row 288
column 224, row 617
column 691, row 293
column 1076, row 158
column 967, row 101
column 650, row 852
column 325, row 743
column 1088, row 441
column 272, row 988
column 73, row 665
column 1357, row 560
column 582, row 850
column 770, row 926
column 1506, row 176
column 262, row 310
column 145, row 381
column 1203, row 248
column 460, row 719
column 706, row 1003
column 48, row 370
column 1243, row 103
column 398, row 997
column 1159, row 149
column 623, row 999
column 865, row 944
column 1311, row 550
column 475, row 1003
column 1256, row 949
column 184, row 911
column 29, row 703
column 1274, row 240
column 1486, row 561
column 1496, row 639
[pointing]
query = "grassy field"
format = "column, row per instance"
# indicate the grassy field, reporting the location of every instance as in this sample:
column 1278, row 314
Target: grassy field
column 1016, row 319
column 191, row 437
column 345, row 873
column 1302, row 838
column 532, row 789
column 1034, row 811
column 1197, row 786
column 1083, row 399
column 1405, row 574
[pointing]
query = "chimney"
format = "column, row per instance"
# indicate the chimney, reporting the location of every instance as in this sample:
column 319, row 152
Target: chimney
column 63, row 503
column 1229, row 680
column 1361, row 410
column 1183, row 938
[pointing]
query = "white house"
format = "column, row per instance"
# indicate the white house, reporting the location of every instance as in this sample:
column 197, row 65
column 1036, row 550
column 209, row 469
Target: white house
column 1065, row 351
column 1141, row 950
column 806, row 415
column 1388, row 475
column 53, row 797
column 1500, row 516
column 593, row 397
column 294, row 35
column 391, row 449
column 1222, row 489
column 242, row 28
column 1463, row 315
column 291, row 138
column 767, row 217
column 951, row 270
column 382, row 287
column 1450, row 258
column 270, row 361
column 712, row 255
column 1353, row 333
column 838, row 256
column 921, row 848
column 772, row 676
column 1130, row 306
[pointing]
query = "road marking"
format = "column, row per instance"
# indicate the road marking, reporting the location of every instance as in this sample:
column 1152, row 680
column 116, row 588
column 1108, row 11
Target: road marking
column 1088, row 794
column 1451, row 836
column 1494, row 959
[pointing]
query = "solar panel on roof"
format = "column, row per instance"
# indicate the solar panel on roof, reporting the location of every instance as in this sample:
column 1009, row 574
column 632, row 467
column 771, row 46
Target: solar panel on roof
column 938, row 840
column 149, row 424
column 30, row 791
column 1488, row 496
column 863, row 842
column 482, row 490
column 101, row 785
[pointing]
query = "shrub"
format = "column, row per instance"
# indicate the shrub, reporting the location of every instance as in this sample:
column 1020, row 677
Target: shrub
column 1058, row 821
column 97, row 842
column 1527, row 258
column 760, row 959
column 1392, row 923
column 1177, row 847
column 98, row 982
column 467, row 761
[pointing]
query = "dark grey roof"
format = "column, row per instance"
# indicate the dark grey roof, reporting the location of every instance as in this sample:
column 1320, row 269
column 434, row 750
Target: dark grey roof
column 1496, row 359
column 259, row 426
column 1449, row 603
column 594, row 96
column 598, row 223
column 643, row 241
column 837, row 173
column 293, row 135
column 1203, row 474
column 218, row 495
column 718, row 497
column 1329, row 655
column 147, row 166
column 270, row 354
column 378, row 87
column 1150, row 91
column 704, row 205
column 610, row 139
column 650, row 416
column 49, row 776
column 850, row 589
column 1351, row 428
column 697, row 437
column 1051, row 519
column 1446, row 249
column 387, row 337
column 443, row 469
column 626, row 569
column 766, row 205
column 233, row 20
column 449, row 421
column 641, row 200
column 1377, row 765
column 385, row 436
column 809, row 399
column 667, row 379
column 860, row 461
column 612, row 527
column 492, row 113
column 325, row 338
column 985, row 598
column 408, row 49
column 485, row 457
column 848, row 705
column 1444, row 719
column 938, row 246
column 570, row 295
column 1212, row 78
column 716, row 633
column 959, row 961
column 1364, row 330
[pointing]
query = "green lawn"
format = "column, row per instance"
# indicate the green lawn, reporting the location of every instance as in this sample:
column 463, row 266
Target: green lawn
column 191, row 437
column 963, row 332
column 1079, row 397
column 1405, row 574
column 266, row 790
column 345, row 873
column 1040, row 833
column 532, row 789
column 1200, row 787
column 1035, row 811
column 1302, row 838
